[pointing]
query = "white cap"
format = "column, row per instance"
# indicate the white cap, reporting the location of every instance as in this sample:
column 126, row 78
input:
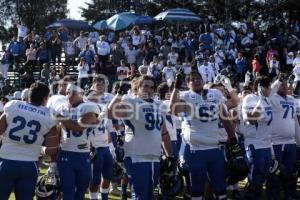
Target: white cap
column 73, row 88
column 17, row 95
column 24, row 94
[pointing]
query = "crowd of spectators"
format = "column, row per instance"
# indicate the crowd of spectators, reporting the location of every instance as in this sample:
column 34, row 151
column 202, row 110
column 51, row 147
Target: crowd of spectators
column 209, row 49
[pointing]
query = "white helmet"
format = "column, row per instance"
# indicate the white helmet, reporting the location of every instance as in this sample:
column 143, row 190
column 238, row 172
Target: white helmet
column 17, row 95
column 24, row 94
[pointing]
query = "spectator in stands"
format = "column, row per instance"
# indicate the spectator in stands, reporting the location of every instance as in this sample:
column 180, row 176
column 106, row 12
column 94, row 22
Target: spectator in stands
column 206, row 40
column 88, row 54
column 70, row 53
column 45, row 73
column 27, row 78
column 289, row 58
column 241, row 66
column 273, row 67
column 15, row 48
column 272, row 51
column 189, row 47
column 206, row 71
column 122, row 71
column 7, row 88
column 169, row 72
column 136, row 37
column 80, row 41
column 103, row 50
column 256, row 66
column 83, row 76
column 31, row 57
column 173, row 56
column 42, row 55
column 97, row 67
column 296, row 61
column 131, row 54
column 56, row 47
column 165, row 49
column 143, row 69
column 118, row 53
column 5, row 61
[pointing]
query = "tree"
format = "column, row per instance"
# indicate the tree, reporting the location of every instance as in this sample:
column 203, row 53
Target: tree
column 33, row 13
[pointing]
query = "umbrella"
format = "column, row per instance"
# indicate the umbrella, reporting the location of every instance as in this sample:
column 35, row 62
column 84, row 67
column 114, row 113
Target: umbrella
column 144, row 20
column 178, row 15
column 70, row 24
column 100, row 25
column 120, row 21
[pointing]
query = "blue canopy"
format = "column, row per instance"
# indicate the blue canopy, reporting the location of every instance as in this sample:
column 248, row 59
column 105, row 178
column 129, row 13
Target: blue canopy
column 120, row 21
column 101, row 25
column 140, row 20
column 178, row 15
column 71, row 24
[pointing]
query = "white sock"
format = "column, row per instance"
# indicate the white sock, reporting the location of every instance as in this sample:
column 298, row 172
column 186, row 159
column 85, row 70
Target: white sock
column 94, row 195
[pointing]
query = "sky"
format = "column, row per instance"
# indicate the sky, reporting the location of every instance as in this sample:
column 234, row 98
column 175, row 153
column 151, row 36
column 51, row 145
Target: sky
column 73, row 6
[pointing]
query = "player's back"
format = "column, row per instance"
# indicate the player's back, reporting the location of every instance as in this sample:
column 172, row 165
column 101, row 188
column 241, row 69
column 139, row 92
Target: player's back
column 27, row 125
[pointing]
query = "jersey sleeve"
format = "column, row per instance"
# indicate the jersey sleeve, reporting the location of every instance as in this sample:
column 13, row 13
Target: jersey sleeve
column 248, row 105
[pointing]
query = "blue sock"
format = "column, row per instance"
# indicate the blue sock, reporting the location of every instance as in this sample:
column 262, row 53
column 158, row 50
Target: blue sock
column 124, row 189
column 104, row 194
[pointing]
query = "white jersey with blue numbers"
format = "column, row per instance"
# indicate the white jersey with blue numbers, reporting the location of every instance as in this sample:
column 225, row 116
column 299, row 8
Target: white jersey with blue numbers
column 284, row 114
column 99, row 136
column 259, row 133
column 201, row 128
column 78, row 141
column 143, row 130
column 27, row 126
column 170, row 120
column 105, row 99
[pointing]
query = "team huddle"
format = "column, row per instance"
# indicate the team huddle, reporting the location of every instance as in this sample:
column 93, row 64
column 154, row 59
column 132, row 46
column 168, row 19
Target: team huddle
column 195, row 142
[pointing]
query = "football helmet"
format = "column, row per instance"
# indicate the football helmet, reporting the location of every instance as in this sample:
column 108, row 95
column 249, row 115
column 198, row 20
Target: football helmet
column 117, row 171
column 47, row 189
column 237, row 170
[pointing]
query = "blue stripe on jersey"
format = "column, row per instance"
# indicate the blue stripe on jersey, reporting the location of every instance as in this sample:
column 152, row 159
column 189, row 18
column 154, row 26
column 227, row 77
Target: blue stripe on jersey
column 130, row 125
column 169, row 119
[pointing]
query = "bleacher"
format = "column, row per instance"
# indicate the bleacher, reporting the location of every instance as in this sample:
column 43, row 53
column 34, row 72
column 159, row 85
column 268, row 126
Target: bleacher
column 15, row 80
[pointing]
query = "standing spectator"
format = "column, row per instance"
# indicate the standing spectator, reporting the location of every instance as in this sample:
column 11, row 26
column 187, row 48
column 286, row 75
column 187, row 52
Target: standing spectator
column 165, row 49
column 155, row 68
column 143, row 69
column 137, row 38
column 94, row 37
column 122, row 71
column 256, row 66
column 173, row 56
column 289, row 62
column 118, row 53
column 272, row 51
column 70, row 53
column 273, row 67
column 31, row 57
column 42, row 55
column 131, row 54
column 45, row 73
column 219, row 57
column 189, row 47
column 206, row 40
column 22, row 31
column 169, row 72
column 88, row 54
column 83, row 76
column 103, row 49
column 7, row 88
column 80, row 41
column 15, row 49
column 97, row 67
column 241, row 66
column 206, row 71
column 187, row 67
column 56, row 47
column 5, row 61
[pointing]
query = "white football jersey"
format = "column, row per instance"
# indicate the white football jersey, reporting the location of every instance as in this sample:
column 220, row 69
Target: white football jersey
column 78, row 141
column 201, row 128
column 283, row 125
column 99, row 136
column 27, row 126
column 258, row 134
column 170, row 121
column 104, row 100
column 143, row 130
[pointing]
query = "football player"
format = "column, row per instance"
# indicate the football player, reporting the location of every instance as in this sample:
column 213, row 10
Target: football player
column 145, row 131
column 102, row 160
column 25, row 126
column 203, row 111
column 77, row 121
column 284, row 138
column 257, row 115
